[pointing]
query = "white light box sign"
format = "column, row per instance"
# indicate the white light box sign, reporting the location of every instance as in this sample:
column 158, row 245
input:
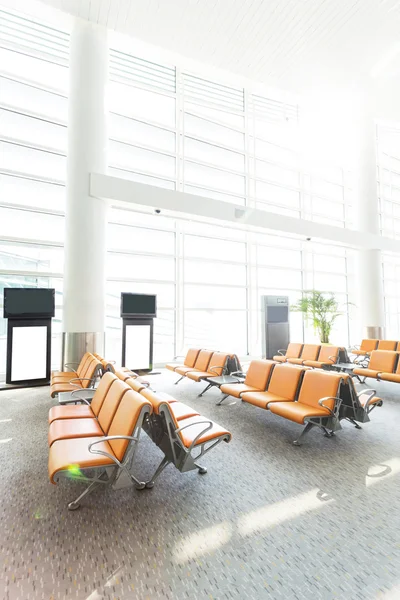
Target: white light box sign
column 137, row 347
column 29, row 351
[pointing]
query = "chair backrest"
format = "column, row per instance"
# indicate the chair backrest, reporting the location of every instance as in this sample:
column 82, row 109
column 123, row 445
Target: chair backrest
column 328, row 354
column 317, row 385
column 84, row 363
column 101, row 392
column 217, row 363
column 293, row 350
column 122, row 375
column 110, row 404
column 387, row 345
column 155, row 399
column 310, row 351
column 191, row 357
column 134, row 384
column 126, row 419
column 258, row 373
column 88, row 362
column 383, row 361
column 285, row 381
column 203, row 360
column 94, row 366
column 369, row 345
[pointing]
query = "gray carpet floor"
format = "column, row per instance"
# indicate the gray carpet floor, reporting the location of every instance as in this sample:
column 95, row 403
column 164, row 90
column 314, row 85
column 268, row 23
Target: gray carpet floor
column 269, row 520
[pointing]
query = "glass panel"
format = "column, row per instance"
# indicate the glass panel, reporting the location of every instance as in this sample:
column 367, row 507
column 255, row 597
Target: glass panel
column 41, row 72
column 198, row 191
column 205, row 272
column 213, row 132
column 136, row 132
column 140, row 267
column 32, row 131
column 140, row 178
column 31, row 99
column 142, row 104
column 21, row 257
column 199, row 296
column 279, row 278
column 203, row 247
column 208, row 153
column 231, row 119
column 37, row 163
column 277, row 195
column 27, row 192
column 30, row 225
column 213, row 178
column 130, row 157
column 126, row 237
column 216, row 329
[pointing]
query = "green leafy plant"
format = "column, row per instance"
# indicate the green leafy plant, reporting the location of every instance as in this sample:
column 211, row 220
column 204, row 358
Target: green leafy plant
column 321, row 309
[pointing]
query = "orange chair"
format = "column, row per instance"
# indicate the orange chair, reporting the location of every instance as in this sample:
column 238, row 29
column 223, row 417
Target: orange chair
column 387, row 345
column 189, row 361
column 318, row 404
column 79, row 372
column 72, row 411
column 309, row 352
column 63, row 429
column 256, row 380
column 105, row 456
column 201, row 364
column 293, row 351
column 393, row 377
column 381, row 361
column 367, row 346
column 283, row 387
column 328, row 355
column 181, row 433
column 92, row 371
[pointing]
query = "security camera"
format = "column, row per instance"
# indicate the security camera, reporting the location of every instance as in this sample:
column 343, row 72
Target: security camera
column 308, row 239
column 157, row 211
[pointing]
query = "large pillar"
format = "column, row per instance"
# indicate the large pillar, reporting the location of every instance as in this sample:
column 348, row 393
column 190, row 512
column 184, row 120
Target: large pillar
column 369, row 262
column 86, row 219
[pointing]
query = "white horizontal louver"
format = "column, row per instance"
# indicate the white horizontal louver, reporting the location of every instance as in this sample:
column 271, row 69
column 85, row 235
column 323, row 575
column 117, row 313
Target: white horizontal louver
column 27, row 35
column 274, row 111
column 206, row 92
column 130, row 69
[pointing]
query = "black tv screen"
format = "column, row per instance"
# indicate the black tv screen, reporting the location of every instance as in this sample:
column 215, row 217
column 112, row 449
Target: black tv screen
column 28, row 303
column 138, row 305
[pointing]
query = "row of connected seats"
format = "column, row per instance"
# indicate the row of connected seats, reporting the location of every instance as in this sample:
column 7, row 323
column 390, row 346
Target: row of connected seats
column 369, row 345
column 383, row 365
column 308, row 355
column 96, row 442
column 201, row 364
column 305, row 396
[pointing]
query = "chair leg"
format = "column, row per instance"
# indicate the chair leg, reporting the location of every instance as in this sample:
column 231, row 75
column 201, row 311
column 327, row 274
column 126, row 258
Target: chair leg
column 222, row 399
column 165, row 462
column 205, row 390
column 202, row 470
column 76, row 503
column 356, row 425
column 180, row 379
column 303, row 433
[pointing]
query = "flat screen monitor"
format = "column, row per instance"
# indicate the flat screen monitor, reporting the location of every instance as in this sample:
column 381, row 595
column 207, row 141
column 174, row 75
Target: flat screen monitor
column 277, row 314
column 138, row 305
column 28, row 303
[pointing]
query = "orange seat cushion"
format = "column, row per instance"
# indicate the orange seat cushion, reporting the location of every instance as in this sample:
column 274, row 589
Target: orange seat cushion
column 236, row 389
column 56, row 388
column 136, row 385
column 199, row 375
column 279, row 358
column 182, row 411
column 65, row 429
column 71, row 455
column 70, row 411
column 366, row 372
column 262, row 399
column 295, row 361
column 315, row 363
column 172, row 366
column 183, row 370
column 189, row 434
column 360, row 352
column 297, row 412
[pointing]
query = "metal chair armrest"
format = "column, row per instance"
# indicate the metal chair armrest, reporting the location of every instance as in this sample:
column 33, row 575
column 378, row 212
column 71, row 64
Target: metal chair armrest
column 338, row 402
column 107, row 439
column 215, row 369
column 210, row 424
column 238, row 373
column 282, row 352
column 80, row 379
column 371, row 393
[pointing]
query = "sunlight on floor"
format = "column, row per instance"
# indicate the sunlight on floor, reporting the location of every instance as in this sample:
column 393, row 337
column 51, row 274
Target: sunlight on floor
column 381, row 472
column 203, row 542
column 5, row 420
column 393, row 594
column 6, row 440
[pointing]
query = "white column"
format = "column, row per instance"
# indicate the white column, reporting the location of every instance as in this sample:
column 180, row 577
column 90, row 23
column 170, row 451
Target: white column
column 86, row 218
column 369, row 263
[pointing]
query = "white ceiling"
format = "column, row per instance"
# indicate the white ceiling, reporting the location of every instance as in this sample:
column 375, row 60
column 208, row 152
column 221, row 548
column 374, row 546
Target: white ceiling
column 288, row 43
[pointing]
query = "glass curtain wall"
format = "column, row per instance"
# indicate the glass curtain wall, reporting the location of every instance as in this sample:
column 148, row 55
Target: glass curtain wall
column 174, row 130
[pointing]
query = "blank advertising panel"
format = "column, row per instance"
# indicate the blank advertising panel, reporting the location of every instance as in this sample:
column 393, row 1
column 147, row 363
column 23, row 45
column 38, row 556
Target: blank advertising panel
column 29, row 353
column 137, row 346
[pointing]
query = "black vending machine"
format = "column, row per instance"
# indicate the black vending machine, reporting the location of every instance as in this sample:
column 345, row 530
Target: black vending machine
column 29, row 312
column 138, row 312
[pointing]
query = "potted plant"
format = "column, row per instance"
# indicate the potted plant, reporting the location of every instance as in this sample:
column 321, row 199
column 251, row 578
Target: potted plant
column 322, row 309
